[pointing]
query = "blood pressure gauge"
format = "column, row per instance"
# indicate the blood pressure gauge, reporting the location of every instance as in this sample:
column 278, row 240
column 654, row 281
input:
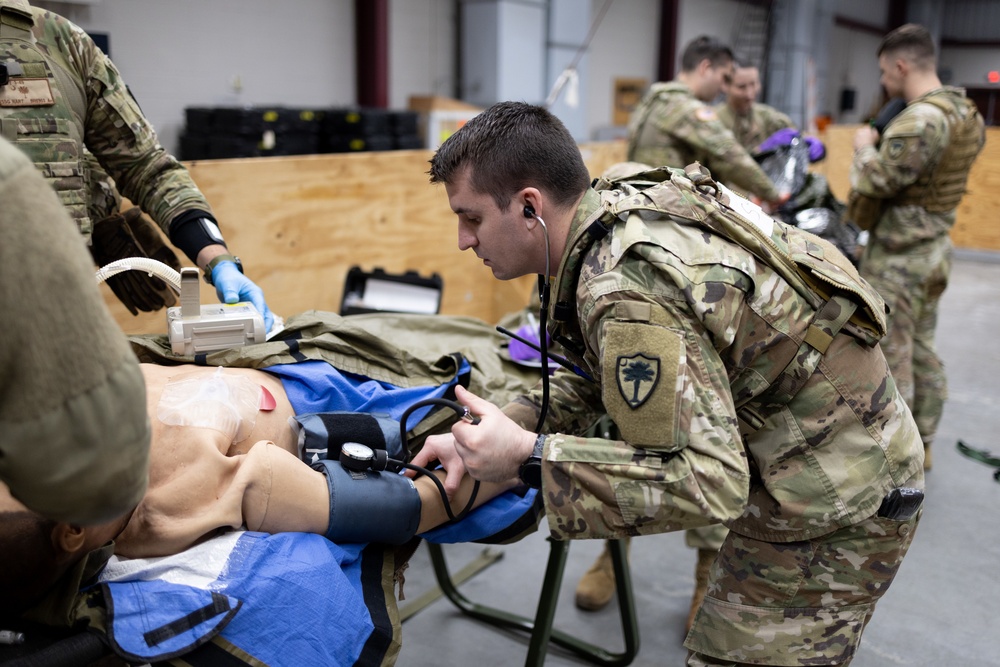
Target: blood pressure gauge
column 355, row 456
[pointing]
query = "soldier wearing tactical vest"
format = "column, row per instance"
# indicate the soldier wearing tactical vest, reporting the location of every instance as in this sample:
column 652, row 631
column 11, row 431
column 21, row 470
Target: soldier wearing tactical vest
column 738, row 357
column 60, row 98
column 905, row 188
column 673, row 125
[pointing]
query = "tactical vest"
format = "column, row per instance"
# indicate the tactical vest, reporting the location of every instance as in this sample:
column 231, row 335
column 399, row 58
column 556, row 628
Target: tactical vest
column 42, row 109
column 814, row 268
column 940, row 190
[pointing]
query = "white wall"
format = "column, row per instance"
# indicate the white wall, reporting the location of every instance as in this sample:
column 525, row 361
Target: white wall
column 422, row 49
column 179, row 53
column 968, row 66
column 853, row 64
column 625, row 46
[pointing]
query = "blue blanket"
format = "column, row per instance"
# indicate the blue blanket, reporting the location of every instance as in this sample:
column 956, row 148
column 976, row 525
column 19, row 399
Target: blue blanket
column 288, row 598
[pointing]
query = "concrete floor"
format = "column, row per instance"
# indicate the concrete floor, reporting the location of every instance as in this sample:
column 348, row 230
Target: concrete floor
column 941, row 611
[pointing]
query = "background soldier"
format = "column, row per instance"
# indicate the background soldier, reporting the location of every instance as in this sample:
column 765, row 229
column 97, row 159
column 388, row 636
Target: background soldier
column 61, row 96
column 750, row 121
column 674, row 126
column 912, row 184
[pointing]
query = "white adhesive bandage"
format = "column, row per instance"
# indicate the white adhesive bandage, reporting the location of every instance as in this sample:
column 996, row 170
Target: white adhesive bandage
column 225, row 402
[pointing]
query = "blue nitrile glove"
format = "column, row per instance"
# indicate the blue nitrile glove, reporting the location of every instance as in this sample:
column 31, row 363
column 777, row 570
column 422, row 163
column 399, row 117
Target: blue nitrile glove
column 231, row 286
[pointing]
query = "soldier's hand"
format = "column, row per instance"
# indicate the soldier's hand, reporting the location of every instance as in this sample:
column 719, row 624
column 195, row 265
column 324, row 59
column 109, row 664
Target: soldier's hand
column 494, row 449
column 441, row 448
column 865, row 136
column 231, row 286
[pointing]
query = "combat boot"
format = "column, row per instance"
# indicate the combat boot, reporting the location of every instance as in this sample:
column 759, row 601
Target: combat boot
column 705, row 559
column 597, row 585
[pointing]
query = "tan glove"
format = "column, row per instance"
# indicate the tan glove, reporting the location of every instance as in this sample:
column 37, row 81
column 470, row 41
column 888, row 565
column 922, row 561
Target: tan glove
column 131, row 234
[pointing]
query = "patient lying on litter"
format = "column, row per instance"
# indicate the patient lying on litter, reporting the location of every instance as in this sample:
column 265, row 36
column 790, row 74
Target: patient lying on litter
column 224, row 455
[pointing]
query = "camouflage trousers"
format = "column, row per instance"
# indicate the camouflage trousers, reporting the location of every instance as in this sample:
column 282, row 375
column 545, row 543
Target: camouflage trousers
column 912, row 281
column 796, row 603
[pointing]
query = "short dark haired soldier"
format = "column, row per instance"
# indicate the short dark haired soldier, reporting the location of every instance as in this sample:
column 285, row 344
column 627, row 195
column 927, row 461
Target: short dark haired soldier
column 748, row 390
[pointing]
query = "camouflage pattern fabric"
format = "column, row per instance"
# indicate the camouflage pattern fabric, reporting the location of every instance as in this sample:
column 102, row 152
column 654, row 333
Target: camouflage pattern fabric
column 908, row 257
column 912, row 283
column 90, row 106
column 671, row 127
column 828, row 589
column 753, row 128
column 686, row 332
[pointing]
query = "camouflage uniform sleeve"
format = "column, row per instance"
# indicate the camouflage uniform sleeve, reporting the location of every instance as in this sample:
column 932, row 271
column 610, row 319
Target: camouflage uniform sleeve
column 916, row 137
column 680, row 462
column 724, row 156
column 75, row 435
column 124, row 142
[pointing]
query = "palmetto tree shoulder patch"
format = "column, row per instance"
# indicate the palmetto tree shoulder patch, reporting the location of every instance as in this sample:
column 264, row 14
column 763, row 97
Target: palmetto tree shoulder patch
column 641, row 364
column 637, row 377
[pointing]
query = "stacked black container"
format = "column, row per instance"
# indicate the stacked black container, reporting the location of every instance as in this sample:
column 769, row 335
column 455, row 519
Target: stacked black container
column 231, row 132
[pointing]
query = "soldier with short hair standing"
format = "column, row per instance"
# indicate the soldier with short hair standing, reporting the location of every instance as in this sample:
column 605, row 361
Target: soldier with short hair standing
column 905, row 188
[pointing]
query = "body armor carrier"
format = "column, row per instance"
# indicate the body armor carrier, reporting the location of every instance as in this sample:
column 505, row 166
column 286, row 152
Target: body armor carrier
column 818, row 272
column 940, row 190
column 41, row 111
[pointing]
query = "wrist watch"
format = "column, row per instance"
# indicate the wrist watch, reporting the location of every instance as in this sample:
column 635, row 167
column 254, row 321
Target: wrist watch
column 224, row 257
column 530, row 471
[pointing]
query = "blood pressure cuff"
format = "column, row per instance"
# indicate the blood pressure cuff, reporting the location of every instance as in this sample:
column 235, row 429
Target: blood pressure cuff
column 130, row 234
column 321, row 434
column 368, row 506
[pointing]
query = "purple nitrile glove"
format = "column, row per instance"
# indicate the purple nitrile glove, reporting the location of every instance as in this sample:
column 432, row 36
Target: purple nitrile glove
column 782, row 137
column 519, row 351
column 817, row 151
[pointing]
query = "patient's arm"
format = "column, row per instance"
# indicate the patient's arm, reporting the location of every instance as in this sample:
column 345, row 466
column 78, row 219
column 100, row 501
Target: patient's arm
column 285, row 494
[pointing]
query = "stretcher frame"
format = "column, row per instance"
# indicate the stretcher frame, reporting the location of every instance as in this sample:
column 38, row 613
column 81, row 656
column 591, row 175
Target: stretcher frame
column 540, row 628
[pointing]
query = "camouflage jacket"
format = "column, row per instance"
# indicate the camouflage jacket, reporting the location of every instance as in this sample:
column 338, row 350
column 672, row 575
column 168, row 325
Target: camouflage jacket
column 671, row 127
column 692, row 339
column 70, row 96
column 752, row 129
column 909, row 156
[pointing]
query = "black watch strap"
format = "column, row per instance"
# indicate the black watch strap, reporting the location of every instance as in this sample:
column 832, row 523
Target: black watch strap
column 224, row 257
column 530, row 472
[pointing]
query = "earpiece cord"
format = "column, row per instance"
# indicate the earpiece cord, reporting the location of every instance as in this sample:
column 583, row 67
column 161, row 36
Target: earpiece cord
column 462, row 411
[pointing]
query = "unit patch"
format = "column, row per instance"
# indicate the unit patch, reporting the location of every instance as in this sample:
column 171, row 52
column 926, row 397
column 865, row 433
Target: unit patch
column 637, row 377
column 705, row 113
column 895, row 148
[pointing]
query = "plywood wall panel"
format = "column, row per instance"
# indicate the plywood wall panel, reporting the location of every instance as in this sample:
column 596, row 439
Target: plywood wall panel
column 299, row 223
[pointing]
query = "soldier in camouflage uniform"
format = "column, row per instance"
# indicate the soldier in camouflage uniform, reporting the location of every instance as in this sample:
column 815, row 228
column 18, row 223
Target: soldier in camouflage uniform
column 750, row 121
column 738, row 357
column 915, row 178
column 59, row 96
column 674, row 126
